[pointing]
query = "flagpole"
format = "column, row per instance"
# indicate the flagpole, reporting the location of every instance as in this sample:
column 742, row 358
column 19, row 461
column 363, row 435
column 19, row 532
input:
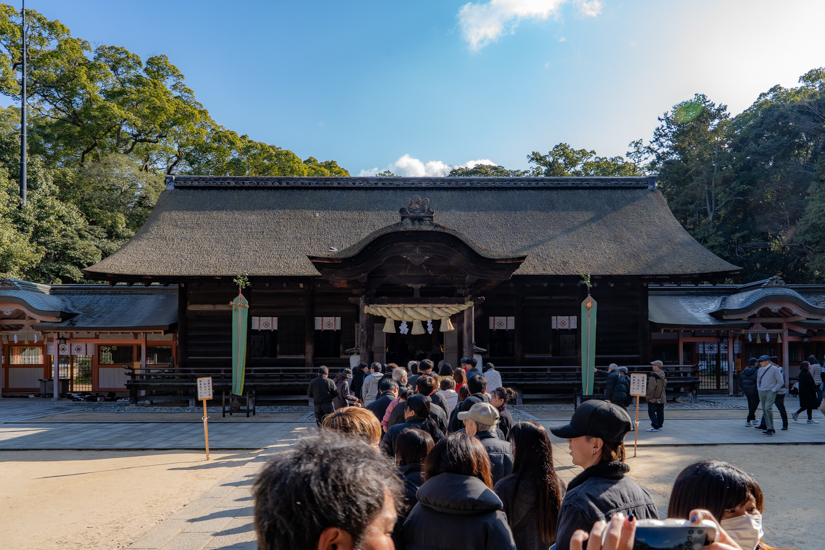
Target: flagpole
column 23, row 184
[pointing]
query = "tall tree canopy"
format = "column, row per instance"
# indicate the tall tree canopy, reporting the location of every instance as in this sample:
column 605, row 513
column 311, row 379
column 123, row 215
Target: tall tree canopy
column 105, row 127
column 752, row 187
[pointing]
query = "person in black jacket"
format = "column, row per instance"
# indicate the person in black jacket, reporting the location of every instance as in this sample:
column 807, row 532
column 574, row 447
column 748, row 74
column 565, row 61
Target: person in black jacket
column 358, row 379
column 343, row 397
column 499, row 398
column 481, row 421
column 748, row 382
column 617, row 387
column 426, row 385
column 389, row 391
column 457, row 507
column 477, row 386
column 807, row 392
column 595, row 437
column 532, row 494
column 322, row 391
column 416, row 415
column 412, row 447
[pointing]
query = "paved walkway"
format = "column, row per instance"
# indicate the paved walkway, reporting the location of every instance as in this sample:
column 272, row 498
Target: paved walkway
column 221, row 518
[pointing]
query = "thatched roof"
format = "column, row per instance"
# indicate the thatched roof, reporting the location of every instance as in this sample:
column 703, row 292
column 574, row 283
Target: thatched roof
column 205, row 226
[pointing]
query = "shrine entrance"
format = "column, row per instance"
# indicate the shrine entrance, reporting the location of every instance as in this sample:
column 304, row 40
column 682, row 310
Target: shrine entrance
column 417, row 283
column 403, row 348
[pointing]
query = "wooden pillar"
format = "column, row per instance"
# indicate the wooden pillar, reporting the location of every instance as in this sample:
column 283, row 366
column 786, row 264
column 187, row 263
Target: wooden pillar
column 364, row 331
column 469, row 329
column 644, row 325
column 143, row 351
column 681, row 349
column 730, row 366
column 309, row 326
column 183, row 326
column 56, row 365
column 520, row 323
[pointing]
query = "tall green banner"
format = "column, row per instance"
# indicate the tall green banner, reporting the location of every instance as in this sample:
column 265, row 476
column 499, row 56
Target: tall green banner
column 240, row 312
column 588, row 327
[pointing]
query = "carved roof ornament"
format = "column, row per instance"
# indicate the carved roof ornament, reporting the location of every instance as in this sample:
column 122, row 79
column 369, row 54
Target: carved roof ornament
column 774, row 281
column 8, row 283
column 417, row 209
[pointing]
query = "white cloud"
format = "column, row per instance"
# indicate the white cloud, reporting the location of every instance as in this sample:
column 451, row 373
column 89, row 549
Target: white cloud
column 590, row 8
column 484, row 22
column 562, row 39
column 412, row 167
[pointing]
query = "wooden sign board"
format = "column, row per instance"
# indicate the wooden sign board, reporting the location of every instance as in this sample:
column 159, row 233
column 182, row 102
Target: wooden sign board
column 205, row 388
column 638, row 385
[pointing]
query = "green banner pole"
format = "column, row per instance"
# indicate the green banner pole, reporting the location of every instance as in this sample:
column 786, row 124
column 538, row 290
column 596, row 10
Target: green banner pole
column 588, row 344
column 240, row 311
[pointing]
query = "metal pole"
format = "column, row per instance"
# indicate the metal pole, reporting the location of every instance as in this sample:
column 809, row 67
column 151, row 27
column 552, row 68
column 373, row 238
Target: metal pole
column 205, row 429
column 23, row 184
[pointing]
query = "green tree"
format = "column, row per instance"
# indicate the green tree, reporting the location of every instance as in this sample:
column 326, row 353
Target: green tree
column 486, row 171
column 563, row 160
column 692, row 157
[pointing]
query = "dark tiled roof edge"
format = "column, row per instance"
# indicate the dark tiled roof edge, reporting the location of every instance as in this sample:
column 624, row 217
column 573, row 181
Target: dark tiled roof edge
column 235, row 182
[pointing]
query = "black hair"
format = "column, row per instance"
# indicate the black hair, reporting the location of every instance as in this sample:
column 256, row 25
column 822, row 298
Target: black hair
column 425, row 365
column 425, row 385
column 505, row 394
column 404, row 394
column 812, row 359
column 413, row 366
column 477, row 384
column 460, row 454
column 489, row 366
column 375, row 367
column 323, row 370
column 387, row 384
column 412, row 446
column 463, row 392
column 805, row 365
column 325, row 480
column 363, row 366
column 533, row 464
column 714, row 486
column 419, row 404
column 469, row 361
column 774, row 359
column 446, row 370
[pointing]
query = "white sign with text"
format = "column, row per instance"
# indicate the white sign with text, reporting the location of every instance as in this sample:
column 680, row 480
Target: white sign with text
column 204, row 388
column 638, row 384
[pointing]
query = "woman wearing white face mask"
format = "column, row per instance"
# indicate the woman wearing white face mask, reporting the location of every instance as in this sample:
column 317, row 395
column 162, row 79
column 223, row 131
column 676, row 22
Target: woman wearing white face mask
column 731, row 495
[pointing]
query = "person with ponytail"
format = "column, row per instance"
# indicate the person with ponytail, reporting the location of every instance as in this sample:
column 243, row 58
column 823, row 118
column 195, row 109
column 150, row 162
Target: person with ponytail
column 533, row 493
column 499, row 398
column 416, row 415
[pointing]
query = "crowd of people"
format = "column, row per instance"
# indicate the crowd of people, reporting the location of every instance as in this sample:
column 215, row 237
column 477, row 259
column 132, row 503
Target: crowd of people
column 763, row 383
column 407, row 461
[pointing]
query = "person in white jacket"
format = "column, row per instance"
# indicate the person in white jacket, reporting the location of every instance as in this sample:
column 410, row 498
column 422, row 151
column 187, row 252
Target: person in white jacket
column 768, row 381
column 369, row 391
column 449, row 394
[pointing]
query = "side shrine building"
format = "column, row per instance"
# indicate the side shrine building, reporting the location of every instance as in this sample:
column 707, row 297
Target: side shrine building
column 390, row 269
column 340, row 263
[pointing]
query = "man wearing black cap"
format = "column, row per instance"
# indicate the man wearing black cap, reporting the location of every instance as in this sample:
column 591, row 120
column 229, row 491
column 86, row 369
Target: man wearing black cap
column 768, row 381
column 595, row 437
column 748, row 382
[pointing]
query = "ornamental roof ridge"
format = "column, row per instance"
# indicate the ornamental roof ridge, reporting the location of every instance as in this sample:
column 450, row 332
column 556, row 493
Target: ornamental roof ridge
column 440, row 183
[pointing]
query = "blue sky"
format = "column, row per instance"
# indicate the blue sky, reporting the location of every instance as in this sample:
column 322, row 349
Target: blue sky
column 420, row 86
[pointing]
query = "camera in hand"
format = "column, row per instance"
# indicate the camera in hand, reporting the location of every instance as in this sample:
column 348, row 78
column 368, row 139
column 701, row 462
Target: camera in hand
column 673, row 534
